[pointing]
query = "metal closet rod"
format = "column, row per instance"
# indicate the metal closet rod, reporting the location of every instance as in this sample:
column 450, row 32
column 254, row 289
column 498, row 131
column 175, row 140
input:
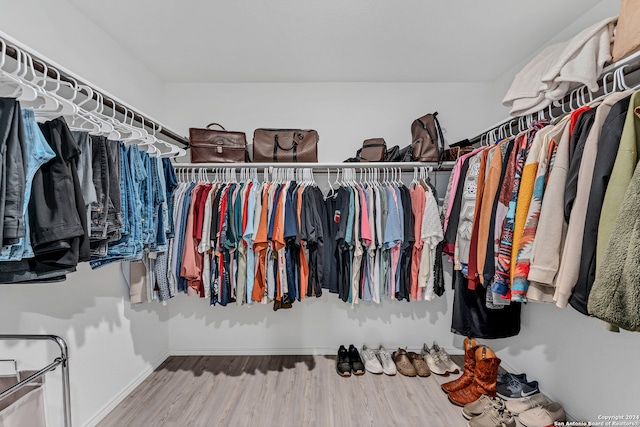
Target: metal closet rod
column 41, row 66
column 405, row 167
column 62, row 361
column 631, row 70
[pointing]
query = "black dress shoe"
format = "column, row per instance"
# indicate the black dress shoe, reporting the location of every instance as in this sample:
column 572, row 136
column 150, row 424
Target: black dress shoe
column 355, row 361
column 343, row 366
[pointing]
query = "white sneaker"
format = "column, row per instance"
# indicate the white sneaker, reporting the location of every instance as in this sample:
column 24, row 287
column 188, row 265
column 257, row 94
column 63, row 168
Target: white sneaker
column 388, row 366
column 371, row 362
column 446, row 359
column 432, row 358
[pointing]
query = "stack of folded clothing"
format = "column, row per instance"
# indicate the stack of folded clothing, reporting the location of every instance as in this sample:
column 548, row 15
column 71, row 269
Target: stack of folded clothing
column 561, row 67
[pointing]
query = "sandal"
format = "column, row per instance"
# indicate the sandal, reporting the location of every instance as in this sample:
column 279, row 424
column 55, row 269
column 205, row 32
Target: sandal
column 422, row 369
column 403, row 363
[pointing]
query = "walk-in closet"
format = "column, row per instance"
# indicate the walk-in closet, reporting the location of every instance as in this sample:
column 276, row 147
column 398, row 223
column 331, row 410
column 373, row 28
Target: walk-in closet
column 319, row 214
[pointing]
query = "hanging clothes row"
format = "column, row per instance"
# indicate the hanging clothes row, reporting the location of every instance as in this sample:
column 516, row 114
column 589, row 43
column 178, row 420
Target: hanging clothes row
column 531, row 218
column 68, row 197
column 282, row 239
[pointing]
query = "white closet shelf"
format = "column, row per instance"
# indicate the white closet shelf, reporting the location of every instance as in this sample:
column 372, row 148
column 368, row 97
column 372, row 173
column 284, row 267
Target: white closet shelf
column 406, row 166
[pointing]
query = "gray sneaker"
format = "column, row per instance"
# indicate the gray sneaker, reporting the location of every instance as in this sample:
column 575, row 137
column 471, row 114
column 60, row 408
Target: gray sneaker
column 432, row 358
column 515, row 389
column 452, row 367
column 371, row 362
column 388, row 366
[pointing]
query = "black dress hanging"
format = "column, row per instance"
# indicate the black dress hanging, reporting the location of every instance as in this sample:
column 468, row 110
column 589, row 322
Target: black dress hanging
column 472, row 318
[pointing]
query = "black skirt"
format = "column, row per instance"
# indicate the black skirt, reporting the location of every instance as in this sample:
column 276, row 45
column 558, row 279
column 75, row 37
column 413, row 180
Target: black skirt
column 472, row 318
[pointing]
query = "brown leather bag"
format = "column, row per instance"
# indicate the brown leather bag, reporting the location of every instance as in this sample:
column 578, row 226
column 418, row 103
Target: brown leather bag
column 217, row 146
column 373, row 150
column 285, row 145
column 427, row 139
column 454, row 153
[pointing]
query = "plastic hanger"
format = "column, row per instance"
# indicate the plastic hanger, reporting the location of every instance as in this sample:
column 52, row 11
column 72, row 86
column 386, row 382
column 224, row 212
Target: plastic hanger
column 46, row 102
column 129, row 133
column 331, row 190
column 55, row 105
column 115, row 134
column 509, row 130
column 67, row 106
column 148, row 138
column 84, row 119
column 551, row 117
column 78, row 120
column 622, row 84
column 106, row 127
column 12, row 85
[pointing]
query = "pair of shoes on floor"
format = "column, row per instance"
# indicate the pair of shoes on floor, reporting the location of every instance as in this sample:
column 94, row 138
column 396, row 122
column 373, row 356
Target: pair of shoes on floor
column 536, row 411
column 349, row 362
column 438, row 360
column 378, row 361
column 285, row 303
column 480, row 375
column 505, row 377
column 488, row 412
column 510, row 386
column 483, row 404
column 410, row 364
column 493, row 417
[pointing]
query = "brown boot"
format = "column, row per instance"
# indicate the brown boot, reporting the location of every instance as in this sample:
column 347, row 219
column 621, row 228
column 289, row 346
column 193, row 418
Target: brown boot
column 484, row 381
column 470, row 346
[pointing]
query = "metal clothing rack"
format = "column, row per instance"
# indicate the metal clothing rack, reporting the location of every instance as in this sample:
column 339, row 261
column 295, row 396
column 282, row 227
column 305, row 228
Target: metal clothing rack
column 630, row 68
column 107, row 100
column 320, row 167
column 62, row 361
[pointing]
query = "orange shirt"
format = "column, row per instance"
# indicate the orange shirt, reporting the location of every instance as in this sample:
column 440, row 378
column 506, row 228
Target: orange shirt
column 490, row 189
column 304, row 266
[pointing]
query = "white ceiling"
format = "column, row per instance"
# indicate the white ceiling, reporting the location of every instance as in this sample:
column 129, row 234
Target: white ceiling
column 331, row 40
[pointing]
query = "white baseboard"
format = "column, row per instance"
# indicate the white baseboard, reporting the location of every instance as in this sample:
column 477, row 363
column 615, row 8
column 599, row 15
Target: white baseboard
column 253, row 351
column 93, row 421
column 315, row 351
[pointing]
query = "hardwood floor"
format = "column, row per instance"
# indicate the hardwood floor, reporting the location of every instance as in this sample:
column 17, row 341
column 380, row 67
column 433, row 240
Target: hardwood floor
column 281, row 391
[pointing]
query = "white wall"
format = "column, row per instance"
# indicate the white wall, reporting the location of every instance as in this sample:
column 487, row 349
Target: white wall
column 344, row 115
column 577, row 362
column 111, row 345
column 59, row 32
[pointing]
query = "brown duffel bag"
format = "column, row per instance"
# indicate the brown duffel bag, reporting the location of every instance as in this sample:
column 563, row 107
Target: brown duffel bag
column 285, row 145
column 217, row 146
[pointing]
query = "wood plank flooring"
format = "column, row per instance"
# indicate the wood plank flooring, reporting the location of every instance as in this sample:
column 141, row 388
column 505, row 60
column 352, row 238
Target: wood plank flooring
column 281, row 391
